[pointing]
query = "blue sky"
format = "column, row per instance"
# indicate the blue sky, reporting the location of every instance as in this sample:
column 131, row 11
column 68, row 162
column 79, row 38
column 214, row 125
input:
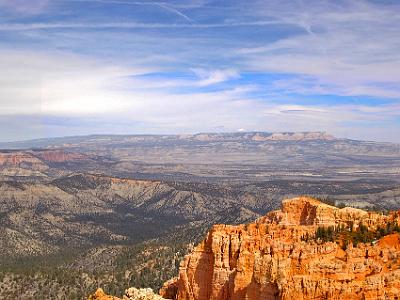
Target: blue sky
column 120, row 66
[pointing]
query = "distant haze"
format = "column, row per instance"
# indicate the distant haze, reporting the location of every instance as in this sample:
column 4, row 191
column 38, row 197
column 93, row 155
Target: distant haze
column 242, row 136
column 187, row 66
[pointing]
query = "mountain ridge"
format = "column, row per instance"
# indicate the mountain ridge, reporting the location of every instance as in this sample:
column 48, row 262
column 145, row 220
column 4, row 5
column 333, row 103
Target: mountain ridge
column 201, row 136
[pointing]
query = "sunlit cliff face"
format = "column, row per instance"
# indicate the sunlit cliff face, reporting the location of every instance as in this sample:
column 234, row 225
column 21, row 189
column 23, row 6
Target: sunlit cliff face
column 278, row 257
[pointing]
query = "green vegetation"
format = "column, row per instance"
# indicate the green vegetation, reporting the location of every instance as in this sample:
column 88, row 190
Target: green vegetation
column 325, row 234
column 76, row 274
column 346, row 235
column 143, row 265
column 328, row 200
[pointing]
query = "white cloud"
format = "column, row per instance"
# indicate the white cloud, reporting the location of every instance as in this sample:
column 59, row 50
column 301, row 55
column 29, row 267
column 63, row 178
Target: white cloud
column 59, row 84
column 24, row 6
column 347, row 50
column 208, row 77
column 64, row 86
column 350, row 48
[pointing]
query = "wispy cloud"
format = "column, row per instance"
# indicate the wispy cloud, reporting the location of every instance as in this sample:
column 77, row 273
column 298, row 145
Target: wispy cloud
column 215, row 76
column 70, row 87
column 130, row 25
column 162, row 5
column 169, row 8
column 185, row 66
column 24, row 6
column 352, row 48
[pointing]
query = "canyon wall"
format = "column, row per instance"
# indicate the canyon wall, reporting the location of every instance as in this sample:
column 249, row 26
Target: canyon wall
column 279, row 257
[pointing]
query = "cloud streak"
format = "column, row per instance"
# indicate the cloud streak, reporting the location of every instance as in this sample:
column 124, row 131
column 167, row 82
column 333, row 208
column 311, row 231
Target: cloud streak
column 352, row 48
column 74, row 88
column 163, row 5
column 129, row 25
column 27, row 7
column 266, row 65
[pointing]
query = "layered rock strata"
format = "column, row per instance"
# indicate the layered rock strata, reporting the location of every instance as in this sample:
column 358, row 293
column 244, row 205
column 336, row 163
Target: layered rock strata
column 271, row 259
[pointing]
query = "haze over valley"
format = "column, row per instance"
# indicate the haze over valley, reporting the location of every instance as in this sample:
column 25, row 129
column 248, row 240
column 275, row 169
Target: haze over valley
column 92, row 202
column 199, row 149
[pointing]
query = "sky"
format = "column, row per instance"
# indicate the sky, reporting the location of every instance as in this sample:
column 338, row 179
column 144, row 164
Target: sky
column 75, row 67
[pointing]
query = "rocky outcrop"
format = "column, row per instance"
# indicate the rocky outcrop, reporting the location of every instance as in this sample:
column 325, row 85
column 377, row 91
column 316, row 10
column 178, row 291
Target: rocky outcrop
column 15, row 158
column 59, row 156
column 170, row 288
column 21, row 159
column 32, row 162
column 101, row 295
column 130, row 294
column 271, row 259
column 141, row 294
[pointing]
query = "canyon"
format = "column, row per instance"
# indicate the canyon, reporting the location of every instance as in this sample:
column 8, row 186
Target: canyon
column 79, row 213
column 221, row 157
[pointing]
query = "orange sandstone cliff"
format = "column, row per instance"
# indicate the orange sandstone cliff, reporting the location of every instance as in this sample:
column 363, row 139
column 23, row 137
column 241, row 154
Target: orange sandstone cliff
column 37, row 159
column 280, row 257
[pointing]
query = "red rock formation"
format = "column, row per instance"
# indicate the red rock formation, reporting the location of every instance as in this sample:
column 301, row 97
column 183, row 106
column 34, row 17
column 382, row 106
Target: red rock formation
column 101, row 295
column 37, row 159
column 169, row 289
column 59, row 156
column 21, row 159
column 269, row 259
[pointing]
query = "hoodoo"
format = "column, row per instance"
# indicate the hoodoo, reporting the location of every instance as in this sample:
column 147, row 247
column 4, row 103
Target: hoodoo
column 306, row 250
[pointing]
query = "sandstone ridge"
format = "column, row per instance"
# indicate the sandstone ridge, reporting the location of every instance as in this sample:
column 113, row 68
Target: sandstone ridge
column 37, row 157
column 280, row 257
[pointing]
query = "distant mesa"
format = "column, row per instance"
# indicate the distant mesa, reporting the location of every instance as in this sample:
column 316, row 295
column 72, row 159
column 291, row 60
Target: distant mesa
column 58, row 156
column 109, row 139
column 296, row 136
column 36, row 163
column 17, row 158
column 261, row 136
